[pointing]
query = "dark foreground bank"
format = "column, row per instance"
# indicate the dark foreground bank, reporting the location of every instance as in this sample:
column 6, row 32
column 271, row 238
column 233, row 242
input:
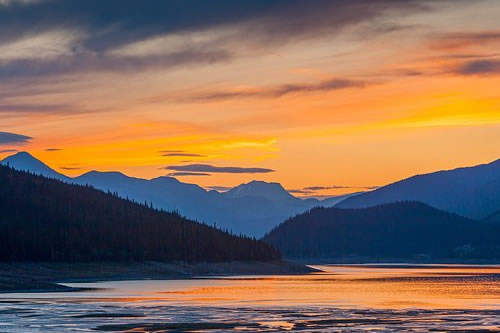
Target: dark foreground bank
column 45, row 277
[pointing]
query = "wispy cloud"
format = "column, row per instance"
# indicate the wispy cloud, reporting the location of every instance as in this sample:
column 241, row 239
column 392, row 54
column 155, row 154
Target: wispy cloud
column 272, row 92
column 13, row 138
column 207, row 168
column 338, row 187
column 168, row 151
column 182, row 173
column 53, row 149
column 479, row 68
column 182, row 154
column 313, row 190
column 69, row 168
column 31, row 108
column 4, row 151
column 218, row 188
column 462, row 40
column 300, row 191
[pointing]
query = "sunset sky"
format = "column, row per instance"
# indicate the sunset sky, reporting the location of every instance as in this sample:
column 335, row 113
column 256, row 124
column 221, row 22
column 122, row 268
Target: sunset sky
column 325, row 97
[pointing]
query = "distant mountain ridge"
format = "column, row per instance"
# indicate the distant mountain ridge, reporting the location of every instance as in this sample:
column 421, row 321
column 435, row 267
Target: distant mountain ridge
column 251, row 209
column 402, row 230
column 473, row 192
column 256, row 207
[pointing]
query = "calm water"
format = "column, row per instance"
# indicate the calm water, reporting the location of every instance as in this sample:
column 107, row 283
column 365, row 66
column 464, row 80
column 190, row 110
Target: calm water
column 342, row 299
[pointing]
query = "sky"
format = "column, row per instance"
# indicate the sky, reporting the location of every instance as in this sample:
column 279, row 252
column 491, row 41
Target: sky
column 326, row 97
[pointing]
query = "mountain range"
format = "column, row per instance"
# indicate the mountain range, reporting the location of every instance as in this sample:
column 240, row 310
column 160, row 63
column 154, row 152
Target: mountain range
column 251, row 209
column 257, row 207
column 472, row 192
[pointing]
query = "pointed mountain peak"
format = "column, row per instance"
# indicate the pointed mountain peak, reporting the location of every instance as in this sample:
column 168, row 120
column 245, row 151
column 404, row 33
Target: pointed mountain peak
column 24, row 161
column 22, row 155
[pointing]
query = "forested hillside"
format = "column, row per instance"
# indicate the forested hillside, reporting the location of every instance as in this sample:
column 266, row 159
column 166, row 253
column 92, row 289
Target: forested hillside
column 398, row 230
column 46, row 220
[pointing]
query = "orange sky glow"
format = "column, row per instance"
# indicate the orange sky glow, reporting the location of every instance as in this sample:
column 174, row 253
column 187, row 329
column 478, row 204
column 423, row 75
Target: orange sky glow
column 343, row 109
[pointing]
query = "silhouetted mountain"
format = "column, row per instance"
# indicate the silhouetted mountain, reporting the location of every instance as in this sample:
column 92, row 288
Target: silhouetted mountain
column 25, row 162
column 398, row 230
column 43, row 219
column 472, row 192
column 251, row 209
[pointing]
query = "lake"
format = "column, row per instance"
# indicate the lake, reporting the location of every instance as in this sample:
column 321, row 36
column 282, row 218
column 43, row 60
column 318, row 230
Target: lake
column 362, row 298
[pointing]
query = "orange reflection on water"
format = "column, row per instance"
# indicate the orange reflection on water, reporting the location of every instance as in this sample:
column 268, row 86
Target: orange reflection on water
column 382, row 287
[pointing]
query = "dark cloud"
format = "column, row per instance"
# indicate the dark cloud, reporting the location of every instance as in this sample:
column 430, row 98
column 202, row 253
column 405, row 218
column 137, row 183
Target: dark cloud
column 69, row 168
column 114, row 23
column 300, row 191
column 105, row 26
column 8, row 151
column 207, row 168
column 53, row 149
column 479, row 67
column 31, row 108
column 13, row 138
column 463, row 48
column 181, row 173
column 275, row 92
column 181, row 154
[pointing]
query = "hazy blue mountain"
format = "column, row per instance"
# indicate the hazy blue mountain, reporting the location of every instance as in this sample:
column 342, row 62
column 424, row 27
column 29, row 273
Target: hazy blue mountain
column 271, row 191
column 334, row 201
column 472, row 192
column 252, row 209
column 25, row 162
column 163, row 192
column 402, row 230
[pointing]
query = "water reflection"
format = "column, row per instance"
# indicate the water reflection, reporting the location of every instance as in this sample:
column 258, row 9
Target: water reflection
column 342, row 298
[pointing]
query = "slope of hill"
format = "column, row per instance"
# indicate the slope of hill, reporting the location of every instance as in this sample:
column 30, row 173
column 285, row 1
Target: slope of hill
column 251, row 209
column 473, row 192
column 47, row 220
column 398, row 230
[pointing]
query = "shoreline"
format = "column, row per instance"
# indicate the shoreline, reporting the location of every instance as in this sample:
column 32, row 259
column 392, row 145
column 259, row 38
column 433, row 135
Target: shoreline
column 29, row 277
